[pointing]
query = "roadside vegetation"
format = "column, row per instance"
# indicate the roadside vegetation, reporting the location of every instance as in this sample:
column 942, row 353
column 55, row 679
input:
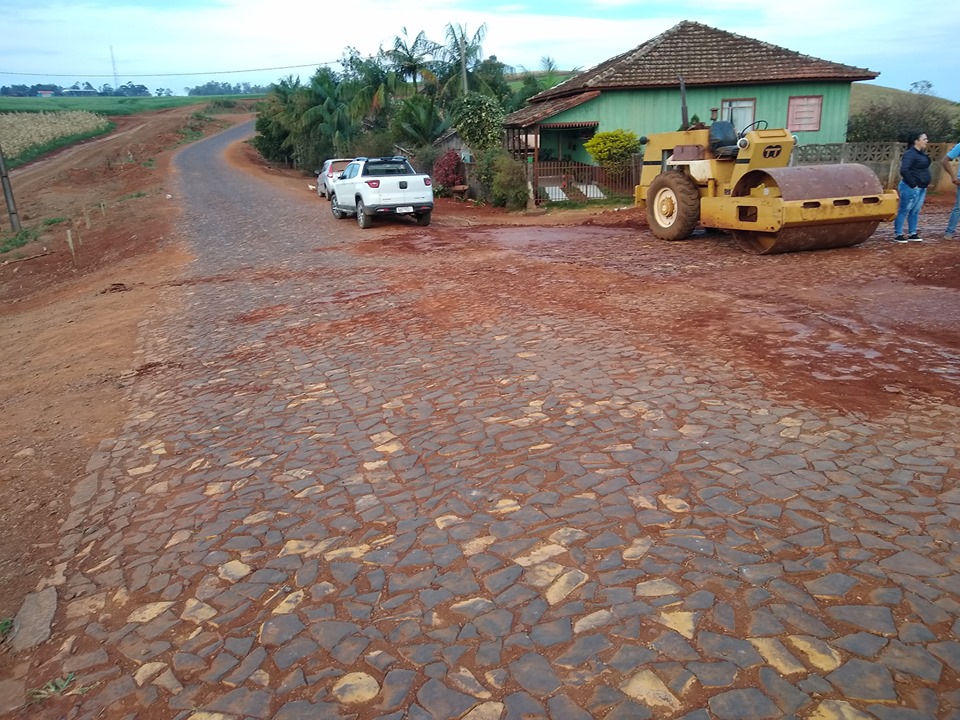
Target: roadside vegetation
column 879, row 114
column 406, row 97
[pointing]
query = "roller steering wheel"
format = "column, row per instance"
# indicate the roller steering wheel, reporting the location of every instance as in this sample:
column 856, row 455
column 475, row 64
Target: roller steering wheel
column 757, row 123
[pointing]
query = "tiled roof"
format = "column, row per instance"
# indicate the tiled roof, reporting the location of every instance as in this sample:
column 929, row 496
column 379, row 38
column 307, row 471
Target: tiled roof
column 533, row 114
column 703, row 55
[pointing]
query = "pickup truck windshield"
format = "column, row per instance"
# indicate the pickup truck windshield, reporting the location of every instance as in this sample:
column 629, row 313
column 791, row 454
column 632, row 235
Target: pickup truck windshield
column 379, row 169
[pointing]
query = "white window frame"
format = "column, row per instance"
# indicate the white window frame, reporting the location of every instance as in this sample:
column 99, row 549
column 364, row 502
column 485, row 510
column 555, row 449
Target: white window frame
column 740, row 111
column 804, row 113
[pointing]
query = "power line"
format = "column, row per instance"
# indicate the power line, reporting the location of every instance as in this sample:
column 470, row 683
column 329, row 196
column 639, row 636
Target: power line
column 153, row 75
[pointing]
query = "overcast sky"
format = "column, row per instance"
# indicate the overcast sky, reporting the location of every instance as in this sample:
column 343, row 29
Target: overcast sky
column 192, row 42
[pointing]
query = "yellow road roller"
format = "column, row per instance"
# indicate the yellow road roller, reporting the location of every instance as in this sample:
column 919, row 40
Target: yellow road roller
column 740, row 182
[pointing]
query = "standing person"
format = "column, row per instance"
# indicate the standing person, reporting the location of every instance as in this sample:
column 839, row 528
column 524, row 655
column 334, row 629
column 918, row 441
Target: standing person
column 915, row 171
column 952, row 154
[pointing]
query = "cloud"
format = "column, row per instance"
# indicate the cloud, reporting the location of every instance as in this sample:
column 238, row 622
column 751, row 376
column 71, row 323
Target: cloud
column 150, row 37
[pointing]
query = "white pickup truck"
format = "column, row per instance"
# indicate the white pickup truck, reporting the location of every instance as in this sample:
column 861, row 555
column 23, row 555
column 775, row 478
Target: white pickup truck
column 369, row 187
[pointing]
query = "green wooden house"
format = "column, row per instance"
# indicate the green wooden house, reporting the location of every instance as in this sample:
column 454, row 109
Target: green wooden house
column 735, row 77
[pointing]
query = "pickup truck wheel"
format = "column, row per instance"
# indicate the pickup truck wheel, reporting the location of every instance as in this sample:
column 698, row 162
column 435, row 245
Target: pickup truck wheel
column 423, row 219
column 337, row 212
column 363, row 220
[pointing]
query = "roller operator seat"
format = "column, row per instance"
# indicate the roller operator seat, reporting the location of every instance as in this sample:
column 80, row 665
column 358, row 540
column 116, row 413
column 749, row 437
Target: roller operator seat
column 723, row 139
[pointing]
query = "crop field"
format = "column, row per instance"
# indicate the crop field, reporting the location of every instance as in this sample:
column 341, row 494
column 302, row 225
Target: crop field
column 22, row 134
column 126, row 105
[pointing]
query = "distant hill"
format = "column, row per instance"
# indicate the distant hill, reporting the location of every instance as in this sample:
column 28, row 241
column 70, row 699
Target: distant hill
column 863, row 96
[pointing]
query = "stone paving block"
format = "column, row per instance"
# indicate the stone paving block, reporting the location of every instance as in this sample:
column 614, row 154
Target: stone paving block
column 884, row 712
column 739, row 652
column 860, row 680
column 788, row 698
column 911, row 659
column 535, row 675
column 250, row 703
column 873, row 619
column 746, row 704
column 441, row 701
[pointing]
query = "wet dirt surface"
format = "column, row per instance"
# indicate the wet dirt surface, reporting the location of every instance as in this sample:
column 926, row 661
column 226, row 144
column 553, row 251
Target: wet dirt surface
column 490, row 471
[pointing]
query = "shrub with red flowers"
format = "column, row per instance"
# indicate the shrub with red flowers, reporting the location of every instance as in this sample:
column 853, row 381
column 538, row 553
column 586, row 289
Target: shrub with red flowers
column 448, row 170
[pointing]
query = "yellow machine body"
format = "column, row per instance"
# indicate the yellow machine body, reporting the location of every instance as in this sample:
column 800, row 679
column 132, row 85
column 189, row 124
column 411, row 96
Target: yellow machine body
column 749, row 189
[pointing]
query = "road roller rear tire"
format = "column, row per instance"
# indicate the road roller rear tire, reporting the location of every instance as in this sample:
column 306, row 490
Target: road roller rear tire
column 673, row 206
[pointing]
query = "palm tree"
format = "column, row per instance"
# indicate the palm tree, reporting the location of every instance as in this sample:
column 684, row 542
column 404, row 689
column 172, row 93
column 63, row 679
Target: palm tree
column 548, row 66
column 326, row 119
column 369, row 85
column 419, row 121
column 410, row 58
column 548, row 75
column 462, row 52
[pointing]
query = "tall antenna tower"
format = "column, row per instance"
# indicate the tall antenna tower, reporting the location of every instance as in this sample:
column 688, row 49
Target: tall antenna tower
column 116, row 78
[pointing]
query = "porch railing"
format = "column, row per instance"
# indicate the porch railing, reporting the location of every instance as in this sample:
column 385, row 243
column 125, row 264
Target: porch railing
column 555, row 181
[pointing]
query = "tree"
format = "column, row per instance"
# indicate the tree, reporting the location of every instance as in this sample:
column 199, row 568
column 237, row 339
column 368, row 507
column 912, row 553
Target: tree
column 534, row 82
column 549, row 72
column 17, row 91
column 529, row 88
column 479, row 120
column 132, row 90
column 272, row 140
column 491, row 75
column 410, row 59
column 418, row 121
column 462, row 53
column 369, row 89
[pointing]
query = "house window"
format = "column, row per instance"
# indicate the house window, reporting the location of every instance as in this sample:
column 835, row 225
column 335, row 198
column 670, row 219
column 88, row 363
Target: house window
column 739, row 111
column 803, row 113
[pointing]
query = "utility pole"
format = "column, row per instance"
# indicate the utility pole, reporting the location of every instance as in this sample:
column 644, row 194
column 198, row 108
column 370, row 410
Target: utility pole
column 8, row 195
column 116, row 78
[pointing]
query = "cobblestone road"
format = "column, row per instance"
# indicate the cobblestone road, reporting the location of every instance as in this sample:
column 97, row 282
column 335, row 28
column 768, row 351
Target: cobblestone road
column 365, row 481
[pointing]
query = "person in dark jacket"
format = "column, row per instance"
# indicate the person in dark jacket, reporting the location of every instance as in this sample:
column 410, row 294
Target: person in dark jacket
column 915, row 171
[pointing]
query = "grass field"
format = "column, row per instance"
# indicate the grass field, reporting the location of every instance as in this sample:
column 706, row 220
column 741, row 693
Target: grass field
column 118, row 105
